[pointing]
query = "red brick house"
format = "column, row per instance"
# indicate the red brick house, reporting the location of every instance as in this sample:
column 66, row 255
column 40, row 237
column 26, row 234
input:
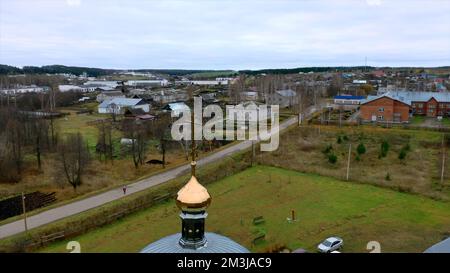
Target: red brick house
column 385, row 109
column 398, row 106
column 431, row 108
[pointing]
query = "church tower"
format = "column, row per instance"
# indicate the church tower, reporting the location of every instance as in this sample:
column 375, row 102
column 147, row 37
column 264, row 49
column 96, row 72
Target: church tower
column 193, row 200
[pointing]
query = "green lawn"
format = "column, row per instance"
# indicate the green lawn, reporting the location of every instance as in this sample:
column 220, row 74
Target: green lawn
column 417, row 120
column 324, row 206
column 74, row 123
column 446, row 121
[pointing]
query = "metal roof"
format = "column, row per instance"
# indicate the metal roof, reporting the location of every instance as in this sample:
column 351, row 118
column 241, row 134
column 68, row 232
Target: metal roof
column 215, row 244
column 441, row 247
column 286, row 93
column 120, row 102
column 178, row 106
column 410, row 96
column 349, row 97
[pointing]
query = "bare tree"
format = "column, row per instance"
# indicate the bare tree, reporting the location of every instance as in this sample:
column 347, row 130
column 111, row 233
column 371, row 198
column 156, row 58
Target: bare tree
column 114, row 110
column 237, row 88
column 15, row 142
column 105, row 143
column 52, row 96
column 74, row 157
column 135, row 131
column 40, row 128
column 336, row 85
column 160, row 130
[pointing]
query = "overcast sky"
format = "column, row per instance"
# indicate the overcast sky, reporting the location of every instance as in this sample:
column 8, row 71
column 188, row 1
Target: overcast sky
column 234, row 34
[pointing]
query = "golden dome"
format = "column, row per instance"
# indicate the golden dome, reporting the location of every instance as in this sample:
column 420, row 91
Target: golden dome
column 193, row 195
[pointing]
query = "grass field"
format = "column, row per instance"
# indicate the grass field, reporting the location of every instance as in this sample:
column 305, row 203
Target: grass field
column 302, row 149
column 324, row 206
column 74, row 123
column 417, row 120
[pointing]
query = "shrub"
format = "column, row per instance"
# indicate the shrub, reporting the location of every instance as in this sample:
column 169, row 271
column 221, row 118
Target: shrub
column 447, row 139
column 361, row 149
column 388, row 177
column 339, row 140
column 402, row 154
column 345, row 138
column 407, row 147
column 404, row 151
column 332, row 158
column 384, row 148
column 328, row 149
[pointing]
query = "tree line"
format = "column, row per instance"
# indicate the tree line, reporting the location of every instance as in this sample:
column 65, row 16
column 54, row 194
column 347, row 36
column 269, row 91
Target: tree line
column 55, row 69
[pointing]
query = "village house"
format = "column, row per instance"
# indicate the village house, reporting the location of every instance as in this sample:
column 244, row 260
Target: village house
column 137, row 114
column 109, row 95
column 283, row 98
column 385, row 109
column 176, row 108
column 118, row 105
column 398, row 106
column 167, row 96
column 249, row 96
column 208, row 97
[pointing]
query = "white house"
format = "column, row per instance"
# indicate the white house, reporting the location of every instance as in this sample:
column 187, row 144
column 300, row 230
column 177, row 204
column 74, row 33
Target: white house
column 118, row 105
column 176, row 107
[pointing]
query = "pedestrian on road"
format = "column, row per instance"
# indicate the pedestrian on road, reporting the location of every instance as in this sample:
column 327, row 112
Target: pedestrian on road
column 124, row 190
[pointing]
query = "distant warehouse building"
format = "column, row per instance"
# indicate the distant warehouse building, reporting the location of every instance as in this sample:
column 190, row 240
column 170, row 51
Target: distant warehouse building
column 348, row 100
column 398, row 106
column 147, row 83
column 75, row 88
column 118, row 105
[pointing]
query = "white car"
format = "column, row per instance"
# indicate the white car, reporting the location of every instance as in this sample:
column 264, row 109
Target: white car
column 330, row 244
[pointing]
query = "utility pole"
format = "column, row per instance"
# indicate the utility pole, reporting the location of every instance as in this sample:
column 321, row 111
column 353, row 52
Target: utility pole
column 365, row 64
column 193, row 163
column 24, row 212
column 443, row 161
column 348, row 162
column 253, row 152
